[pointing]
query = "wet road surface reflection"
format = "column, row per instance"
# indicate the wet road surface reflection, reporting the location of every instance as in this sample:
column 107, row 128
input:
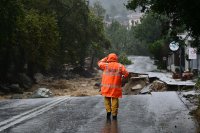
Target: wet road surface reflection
column 160, row 112
column 110, row 126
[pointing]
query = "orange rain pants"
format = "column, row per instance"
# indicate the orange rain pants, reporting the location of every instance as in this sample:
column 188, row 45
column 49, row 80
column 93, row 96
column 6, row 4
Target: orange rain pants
column 111, row 105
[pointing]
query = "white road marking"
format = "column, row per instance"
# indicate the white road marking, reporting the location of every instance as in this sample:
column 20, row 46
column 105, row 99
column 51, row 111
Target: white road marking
column 30, row 114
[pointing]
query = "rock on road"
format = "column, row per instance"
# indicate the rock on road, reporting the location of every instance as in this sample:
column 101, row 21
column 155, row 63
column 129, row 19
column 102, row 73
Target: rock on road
column 161, row 112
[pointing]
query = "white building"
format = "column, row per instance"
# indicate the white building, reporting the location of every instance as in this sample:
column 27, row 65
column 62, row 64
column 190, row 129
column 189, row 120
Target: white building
column 134, row 19
column 190, row 60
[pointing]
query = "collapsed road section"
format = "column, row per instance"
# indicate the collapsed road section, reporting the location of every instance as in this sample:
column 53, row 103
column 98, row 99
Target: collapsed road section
column 144, row 83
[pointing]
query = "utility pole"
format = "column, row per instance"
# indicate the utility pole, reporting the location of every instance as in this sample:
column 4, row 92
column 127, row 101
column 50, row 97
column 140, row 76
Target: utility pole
column 197, row 66
column 180, row 52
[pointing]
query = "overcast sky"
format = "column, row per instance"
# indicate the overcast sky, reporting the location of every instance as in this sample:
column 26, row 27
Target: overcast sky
column 113, row 7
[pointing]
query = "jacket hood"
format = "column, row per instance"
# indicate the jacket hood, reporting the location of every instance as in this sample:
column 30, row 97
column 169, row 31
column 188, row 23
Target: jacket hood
column 112, row 58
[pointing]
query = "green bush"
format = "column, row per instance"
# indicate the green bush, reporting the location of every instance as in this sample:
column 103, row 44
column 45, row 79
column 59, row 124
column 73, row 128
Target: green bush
column 197, row 85
column 159, row 64
column 123, row 59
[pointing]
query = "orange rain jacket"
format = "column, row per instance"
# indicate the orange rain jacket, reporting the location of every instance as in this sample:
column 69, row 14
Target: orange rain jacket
column 112, row 76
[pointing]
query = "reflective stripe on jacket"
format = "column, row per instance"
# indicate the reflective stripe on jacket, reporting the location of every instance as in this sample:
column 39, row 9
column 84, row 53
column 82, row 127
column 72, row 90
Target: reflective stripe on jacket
column 112, row 78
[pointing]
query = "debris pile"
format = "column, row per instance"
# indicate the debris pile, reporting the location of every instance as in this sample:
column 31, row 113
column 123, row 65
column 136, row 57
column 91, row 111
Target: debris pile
column 135, row 85
column 139, row 84
column 158, row 85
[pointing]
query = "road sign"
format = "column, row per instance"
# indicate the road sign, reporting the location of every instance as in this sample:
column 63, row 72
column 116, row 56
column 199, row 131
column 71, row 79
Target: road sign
column 192, row 53
column 174, row 46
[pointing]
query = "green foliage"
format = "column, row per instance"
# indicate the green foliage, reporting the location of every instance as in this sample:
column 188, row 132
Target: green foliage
column 156, row 49
column 160, row 65
column 98, row 40
column 39, row 35
column 151, row 28
column 136, row 41
column 98, row 10
column 73, row 27
column 197, row 85
column 10, row 11
column 118, row 34
column 180, row 13
column 79, row 29
column 30, row 38
column 124, row 60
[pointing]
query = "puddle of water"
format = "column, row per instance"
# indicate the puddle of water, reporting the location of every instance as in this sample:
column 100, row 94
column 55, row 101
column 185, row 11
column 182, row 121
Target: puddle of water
column 110, row 126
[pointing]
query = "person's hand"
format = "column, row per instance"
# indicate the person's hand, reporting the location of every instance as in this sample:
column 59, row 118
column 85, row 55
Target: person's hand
column 105, row 59
column 124, row 80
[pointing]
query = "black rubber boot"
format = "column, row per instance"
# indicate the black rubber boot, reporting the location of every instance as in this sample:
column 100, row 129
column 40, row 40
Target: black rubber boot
column 108, row 115
column 115, row 117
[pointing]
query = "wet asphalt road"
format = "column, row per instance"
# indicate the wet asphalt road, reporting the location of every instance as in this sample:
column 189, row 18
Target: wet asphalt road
column 141, row 64
column 157, row 113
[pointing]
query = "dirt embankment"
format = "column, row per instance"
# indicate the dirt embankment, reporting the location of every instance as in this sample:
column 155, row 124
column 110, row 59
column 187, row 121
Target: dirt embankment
column 74, row 87
column 78, row 86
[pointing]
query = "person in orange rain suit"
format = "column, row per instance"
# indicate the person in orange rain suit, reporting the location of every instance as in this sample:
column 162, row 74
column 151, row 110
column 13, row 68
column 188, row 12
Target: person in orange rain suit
column 111, row 85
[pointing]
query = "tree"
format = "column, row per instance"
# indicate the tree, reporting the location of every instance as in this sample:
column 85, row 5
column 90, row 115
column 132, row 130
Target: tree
column 179, row 12
column 38, row 39
column 38, row 35
column 27, row 39
column 77, row 30
column 153, row 27
column 98, row 10
column 118, row 34
column 99, row 42
column 156, row 49
column 10, row 12
column 72, row 19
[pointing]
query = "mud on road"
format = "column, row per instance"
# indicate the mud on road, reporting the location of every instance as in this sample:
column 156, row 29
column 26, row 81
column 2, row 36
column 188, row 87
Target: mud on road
column 79, row 86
